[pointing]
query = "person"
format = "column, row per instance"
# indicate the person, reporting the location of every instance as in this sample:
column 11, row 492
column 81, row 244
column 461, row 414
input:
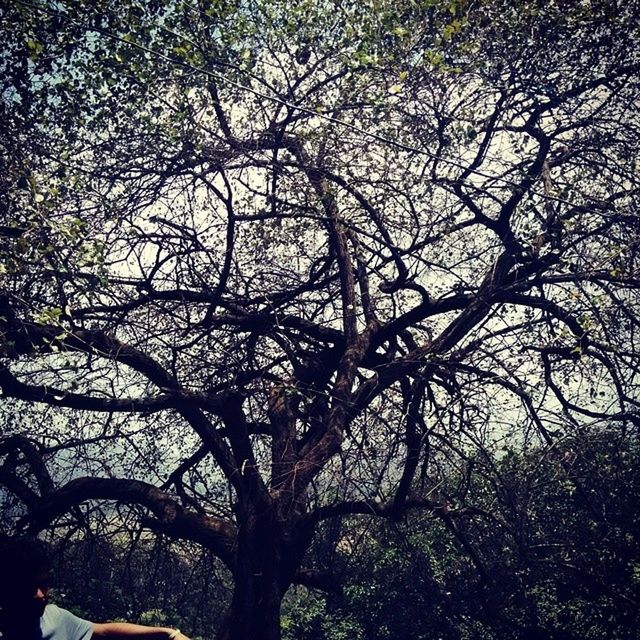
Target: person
column 26, row 614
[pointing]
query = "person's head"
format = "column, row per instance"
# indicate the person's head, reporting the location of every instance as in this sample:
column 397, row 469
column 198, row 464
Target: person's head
column 25, row 574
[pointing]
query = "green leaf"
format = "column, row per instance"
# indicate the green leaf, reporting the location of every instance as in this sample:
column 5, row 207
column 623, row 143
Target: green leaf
column 49, row 316
column 35, row 46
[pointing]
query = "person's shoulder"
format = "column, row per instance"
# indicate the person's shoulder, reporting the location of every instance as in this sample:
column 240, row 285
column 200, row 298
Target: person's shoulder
column 53, row 614
column 57, row 622
column 50, row 620
column 52, row 610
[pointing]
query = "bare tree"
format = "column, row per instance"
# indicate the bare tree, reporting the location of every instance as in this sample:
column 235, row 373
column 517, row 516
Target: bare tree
column 271, row 264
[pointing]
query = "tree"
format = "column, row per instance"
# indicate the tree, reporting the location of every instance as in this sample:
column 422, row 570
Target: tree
column 270, row 264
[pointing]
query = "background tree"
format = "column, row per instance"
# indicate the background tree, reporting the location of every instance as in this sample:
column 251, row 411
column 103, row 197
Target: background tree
column 271, row 264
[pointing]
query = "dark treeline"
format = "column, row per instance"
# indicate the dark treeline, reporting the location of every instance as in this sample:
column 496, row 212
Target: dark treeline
column 550, row 550
column 148, row 580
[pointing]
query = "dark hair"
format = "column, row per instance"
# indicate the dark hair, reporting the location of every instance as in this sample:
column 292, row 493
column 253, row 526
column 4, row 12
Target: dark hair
column 21, row 558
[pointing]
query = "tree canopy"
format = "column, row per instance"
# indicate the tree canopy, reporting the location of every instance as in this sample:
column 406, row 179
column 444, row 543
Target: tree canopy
column 265, row 264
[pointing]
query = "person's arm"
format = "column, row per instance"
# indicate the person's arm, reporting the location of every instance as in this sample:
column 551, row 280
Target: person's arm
column 125, row 630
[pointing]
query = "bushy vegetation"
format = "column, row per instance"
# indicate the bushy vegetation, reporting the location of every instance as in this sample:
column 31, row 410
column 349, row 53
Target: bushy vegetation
column 550, row 548
column 558, row 557
column 148, row 581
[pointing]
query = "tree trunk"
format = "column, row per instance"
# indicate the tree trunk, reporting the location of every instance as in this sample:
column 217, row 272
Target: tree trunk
column 255, row 610
column 254, row 613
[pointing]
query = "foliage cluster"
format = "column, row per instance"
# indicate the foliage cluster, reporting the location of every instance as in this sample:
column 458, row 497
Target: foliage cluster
column 559, row 558
column 148, row 581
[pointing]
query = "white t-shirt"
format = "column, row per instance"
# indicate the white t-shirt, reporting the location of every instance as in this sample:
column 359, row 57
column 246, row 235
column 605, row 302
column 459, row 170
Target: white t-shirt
column 60, row 624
